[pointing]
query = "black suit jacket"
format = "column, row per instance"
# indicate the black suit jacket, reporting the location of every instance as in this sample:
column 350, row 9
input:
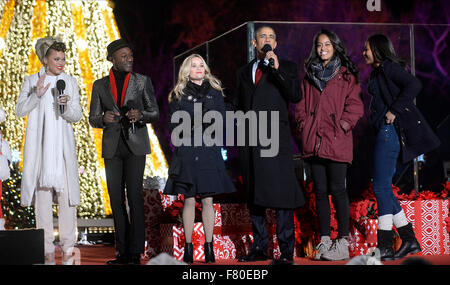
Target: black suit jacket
column 140, row 91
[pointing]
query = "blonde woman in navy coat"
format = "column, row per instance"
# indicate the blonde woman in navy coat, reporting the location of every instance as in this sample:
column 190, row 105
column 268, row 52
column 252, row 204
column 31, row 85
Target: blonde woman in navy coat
column 197, row 171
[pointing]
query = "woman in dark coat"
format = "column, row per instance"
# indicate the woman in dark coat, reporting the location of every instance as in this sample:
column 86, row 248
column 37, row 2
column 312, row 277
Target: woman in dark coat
column 196, row 170
column 330, row 108
column 401, row 131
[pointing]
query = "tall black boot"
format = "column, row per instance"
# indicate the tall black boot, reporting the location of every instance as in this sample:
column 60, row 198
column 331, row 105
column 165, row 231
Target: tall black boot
column 188, row 252
column 410, row 245
column 209, row 253
column 385, row 244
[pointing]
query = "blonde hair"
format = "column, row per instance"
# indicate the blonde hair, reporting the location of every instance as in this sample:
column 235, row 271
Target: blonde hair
column 183, row 77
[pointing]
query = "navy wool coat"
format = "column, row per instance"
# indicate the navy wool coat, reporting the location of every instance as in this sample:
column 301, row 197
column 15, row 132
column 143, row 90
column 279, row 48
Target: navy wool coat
column 200, row 169
column 398, row 89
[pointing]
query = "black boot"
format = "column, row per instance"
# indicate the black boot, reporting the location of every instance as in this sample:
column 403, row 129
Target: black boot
column 209, row 253
column 410, row 245
column 121, row 259
column 188, row 252
column 385, row 244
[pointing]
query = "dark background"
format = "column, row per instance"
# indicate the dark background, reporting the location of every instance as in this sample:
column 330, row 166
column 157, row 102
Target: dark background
column 160, row 30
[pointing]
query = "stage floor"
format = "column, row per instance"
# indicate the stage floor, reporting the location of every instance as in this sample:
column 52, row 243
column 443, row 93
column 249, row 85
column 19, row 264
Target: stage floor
column 99, row 254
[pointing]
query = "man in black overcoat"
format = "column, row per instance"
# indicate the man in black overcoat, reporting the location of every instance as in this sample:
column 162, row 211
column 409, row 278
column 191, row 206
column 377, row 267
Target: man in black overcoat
column 270, row 182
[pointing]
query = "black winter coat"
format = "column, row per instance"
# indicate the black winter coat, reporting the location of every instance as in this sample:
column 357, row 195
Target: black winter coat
column 270, row 181
column 398, row 89
column 200, row 169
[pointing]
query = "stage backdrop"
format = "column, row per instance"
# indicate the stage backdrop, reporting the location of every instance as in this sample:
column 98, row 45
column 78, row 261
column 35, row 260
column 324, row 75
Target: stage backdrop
column 227, row 52
column 86, row 27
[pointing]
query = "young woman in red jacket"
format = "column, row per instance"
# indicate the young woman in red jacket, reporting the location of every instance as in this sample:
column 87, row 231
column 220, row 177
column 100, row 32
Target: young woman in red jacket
column 330, row 108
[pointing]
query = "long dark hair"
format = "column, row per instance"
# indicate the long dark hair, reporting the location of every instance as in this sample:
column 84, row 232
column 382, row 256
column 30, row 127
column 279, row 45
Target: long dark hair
column 383, row 49
column 339, row 50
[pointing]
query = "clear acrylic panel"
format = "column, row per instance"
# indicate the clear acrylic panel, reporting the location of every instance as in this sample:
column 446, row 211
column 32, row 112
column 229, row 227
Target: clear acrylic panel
column 233, row 49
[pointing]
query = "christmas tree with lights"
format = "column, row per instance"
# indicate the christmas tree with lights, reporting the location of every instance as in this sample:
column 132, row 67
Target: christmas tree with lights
column 16, row 216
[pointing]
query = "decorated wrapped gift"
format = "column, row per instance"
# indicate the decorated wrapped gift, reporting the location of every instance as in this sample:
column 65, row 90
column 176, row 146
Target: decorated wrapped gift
column 370, row 227
column 357, row 241
column 235, row 218
column 173, row 240
column 428, row 219
column 232, row 234
column 167, row 200
column 236, row 225
column 167, row 238
column 223, row 247
column 242, row 242
column 152, row 212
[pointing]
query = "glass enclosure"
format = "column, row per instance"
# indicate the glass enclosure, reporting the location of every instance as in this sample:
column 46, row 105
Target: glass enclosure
column 226, row 53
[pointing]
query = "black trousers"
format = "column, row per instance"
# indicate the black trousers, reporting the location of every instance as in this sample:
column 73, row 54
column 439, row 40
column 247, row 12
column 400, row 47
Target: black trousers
column 125, row 171
column 285, row 223
column 285, row 230
column 329, row 177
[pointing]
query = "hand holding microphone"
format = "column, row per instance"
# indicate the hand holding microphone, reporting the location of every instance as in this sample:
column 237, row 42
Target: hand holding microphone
column 62, row 98
column 271, row 56
column 133, row 115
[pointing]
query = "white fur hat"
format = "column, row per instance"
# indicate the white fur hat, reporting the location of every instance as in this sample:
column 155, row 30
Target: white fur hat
column 43, row 44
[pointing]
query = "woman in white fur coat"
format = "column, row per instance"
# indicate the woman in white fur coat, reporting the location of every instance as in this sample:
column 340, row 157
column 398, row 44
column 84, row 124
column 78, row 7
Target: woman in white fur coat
column 50, row 167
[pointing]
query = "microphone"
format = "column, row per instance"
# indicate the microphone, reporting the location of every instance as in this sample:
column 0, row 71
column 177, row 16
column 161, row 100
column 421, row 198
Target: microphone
column 132, row 105
column 61, row 85
column 266, row 48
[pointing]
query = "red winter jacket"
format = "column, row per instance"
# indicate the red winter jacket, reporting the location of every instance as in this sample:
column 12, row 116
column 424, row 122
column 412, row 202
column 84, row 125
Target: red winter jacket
column 326, row 118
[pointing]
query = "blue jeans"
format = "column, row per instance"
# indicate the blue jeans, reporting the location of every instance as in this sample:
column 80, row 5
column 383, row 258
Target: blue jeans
column 387, row 149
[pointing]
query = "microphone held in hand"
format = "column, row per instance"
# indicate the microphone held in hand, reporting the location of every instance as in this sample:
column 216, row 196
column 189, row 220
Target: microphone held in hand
column 61, row 85
column 266, row 48
column 131, row 105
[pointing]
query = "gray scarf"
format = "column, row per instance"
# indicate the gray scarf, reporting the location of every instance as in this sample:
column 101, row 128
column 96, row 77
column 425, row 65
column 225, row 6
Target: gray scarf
column 322, row 74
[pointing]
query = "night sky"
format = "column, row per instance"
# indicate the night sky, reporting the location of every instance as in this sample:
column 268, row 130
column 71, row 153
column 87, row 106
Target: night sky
column 158, row 32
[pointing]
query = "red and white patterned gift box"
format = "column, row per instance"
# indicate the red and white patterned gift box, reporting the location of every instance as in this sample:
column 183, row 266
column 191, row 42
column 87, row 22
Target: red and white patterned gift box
column 357, row 240
column 223, row 246
column 428, row 219
column 237, row 226
column 370, row 230
column 232, row 234
column 152, row 213
column 172, row 238
column 167, row 200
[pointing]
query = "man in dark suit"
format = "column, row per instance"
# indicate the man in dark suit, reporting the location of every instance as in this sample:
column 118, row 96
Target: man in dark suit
column 122, row 104
column 270, row 182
